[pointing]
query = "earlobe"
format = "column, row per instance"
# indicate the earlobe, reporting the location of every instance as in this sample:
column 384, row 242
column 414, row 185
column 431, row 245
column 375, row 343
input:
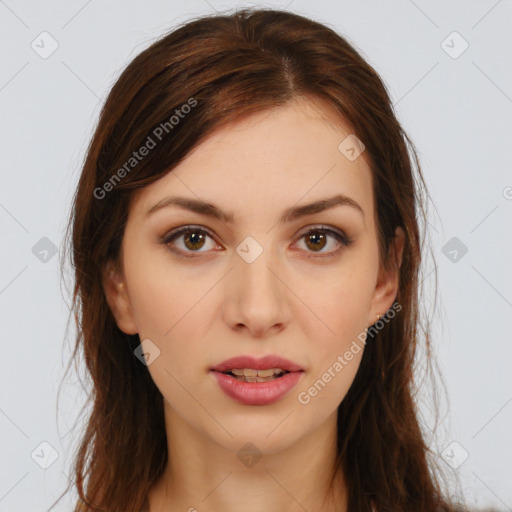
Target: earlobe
column 114, row 287
column 389, row 279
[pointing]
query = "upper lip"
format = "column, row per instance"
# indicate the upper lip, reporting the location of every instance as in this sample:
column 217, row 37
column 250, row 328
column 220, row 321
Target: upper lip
column 263, row 363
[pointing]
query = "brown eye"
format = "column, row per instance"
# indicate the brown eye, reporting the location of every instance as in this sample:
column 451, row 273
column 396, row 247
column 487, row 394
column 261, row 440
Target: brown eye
column 191, row 239
column 194, row 240
column 317, row 239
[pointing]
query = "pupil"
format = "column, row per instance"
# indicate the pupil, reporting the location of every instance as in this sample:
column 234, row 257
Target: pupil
column 318, row 238
column 194, row 238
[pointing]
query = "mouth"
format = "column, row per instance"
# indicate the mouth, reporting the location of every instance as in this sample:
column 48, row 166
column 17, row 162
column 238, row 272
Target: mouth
column 251, row 375
column 251, row 381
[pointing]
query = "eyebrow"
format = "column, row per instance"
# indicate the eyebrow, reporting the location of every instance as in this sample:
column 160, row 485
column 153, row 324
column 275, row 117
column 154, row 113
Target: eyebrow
column 289, row 215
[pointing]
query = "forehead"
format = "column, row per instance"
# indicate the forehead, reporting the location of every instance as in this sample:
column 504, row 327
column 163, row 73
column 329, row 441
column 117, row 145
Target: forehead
column 268, row 161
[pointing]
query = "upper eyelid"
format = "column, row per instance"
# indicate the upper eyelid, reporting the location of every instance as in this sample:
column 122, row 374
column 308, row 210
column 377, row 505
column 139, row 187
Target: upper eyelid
column 183, row 228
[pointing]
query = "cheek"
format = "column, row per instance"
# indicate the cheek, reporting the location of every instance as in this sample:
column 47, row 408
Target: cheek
column 172, row 308
column 335, row 367
column 339, row 302
column 337, row 332
column 163, row 294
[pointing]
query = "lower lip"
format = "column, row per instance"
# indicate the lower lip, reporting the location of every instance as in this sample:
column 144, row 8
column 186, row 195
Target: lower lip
column 257, row 393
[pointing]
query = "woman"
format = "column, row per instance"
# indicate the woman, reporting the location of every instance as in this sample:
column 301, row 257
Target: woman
column 246, row 251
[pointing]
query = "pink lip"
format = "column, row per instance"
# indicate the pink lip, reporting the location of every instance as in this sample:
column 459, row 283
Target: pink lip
column 257, row 393
column 264, row 363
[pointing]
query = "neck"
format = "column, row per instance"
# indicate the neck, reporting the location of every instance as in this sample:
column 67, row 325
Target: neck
column 203, row 475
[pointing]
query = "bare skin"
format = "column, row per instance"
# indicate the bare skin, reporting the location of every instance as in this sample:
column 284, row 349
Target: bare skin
column 306, row 302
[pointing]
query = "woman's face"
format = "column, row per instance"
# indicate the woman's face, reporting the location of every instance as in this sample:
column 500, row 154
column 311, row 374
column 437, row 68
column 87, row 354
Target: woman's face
column 252, row 283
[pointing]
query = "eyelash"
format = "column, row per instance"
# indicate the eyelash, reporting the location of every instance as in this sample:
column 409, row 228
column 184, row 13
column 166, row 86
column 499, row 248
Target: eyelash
column 173, row 235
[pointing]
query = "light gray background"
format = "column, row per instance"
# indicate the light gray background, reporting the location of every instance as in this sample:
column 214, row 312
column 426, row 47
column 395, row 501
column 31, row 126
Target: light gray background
column 456, row 110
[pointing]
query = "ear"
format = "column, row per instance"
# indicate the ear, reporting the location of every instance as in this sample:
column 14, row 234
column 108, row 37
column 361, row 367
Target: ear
column 116, row 294
column 388, row 279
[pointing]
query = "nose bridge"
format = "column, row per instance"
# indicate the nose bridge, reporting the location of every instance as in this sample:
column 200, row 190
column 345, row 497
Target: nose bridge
column 257, row 296
column 253, row 264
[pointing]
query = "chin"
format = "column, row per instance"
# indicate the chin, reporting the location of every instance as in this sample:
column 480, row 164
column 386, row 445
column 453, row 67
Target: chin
column 259, row 438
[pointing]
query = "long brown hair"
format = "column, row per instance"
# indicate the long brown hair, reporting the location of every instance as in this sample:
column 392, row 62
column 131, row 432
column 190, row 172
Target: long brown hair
column 224, row 67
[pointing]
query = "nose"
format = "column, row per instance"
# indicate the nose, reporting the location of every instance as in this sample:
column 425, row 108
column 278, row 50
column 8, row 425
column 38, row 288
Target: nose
column 256, row 296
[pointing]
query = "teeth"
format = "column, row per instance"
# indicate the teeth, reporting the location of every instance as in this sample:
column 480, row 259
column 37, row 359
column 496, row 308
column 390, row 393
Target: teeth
column 247, row 372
